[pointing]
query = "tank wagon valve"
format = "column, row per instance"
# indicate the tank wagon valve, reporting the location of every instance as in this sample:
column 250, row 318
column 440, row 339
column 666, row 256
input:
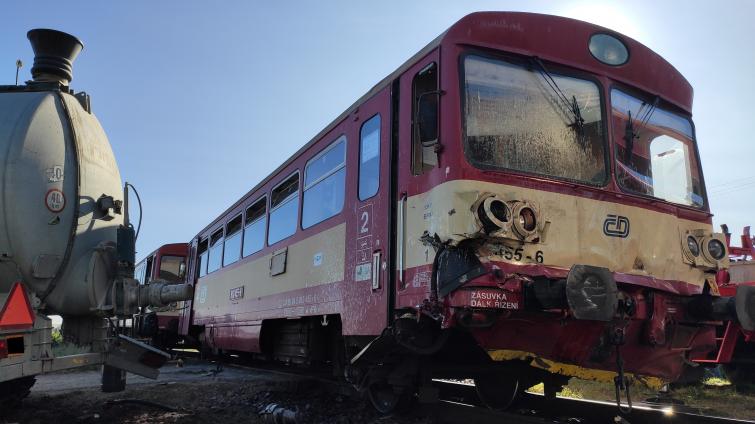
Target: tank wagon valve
column 109, row 207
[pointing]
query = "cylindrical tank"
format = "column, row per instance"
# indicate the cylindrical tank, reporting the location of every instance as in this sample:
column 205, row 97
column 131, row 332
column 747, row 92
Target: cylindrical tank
column 55, row 164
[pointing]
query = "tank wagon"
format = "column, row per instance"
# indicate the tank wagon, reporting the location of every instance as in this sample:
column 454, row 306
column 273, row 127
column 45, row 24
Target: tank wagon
column 66, row 244
column 167, row 264
column 521, row 201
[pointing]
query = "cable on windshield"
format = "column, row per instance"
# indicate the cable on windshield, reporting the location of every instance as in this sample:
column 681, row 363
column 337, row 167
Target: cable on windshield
column 571, row 106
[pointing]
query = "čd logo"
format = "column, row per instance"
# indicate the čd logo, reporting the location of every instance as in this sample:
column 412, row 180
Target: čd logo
column 616, row 226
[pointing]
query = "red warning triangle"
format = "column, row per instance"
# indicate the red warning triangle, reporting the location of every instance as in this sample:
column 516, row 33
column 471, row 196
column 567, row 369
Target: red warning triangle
column 16, row 312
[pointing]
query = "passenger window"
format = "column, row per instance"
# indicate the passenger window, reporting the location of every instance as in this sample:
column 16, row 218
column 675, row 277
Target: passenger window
column 369, row 158
column 324, row 184
column 216, row 251
column 284, row 210
column 232, row 245
column 425, row 96
column 254, row 227
column 202, row 259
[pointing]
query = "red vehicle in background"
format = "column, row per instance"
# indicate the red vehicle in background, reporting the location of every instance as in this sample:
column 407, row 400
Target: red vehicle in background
column 736, row 345
column 167, row 264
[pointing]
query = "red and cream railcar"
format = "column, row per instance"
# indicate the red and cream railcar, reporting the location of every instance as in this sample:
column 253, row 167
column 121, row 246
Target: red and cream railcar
column 167, row 264
column 521, row 201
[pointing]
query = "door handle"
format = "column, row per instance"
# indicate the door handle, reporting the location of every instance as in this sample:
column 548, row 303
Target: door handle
column 376, row 271
column 401, row 234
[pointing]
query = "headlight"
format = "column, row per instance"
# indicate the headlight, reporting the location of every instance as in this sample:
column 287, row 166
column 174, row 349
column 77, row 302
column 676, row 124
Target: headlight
column 527, row 219
column 524, row 220
column 493, row 214
column 608, row 49
column 716, row 249
column 499, row 210
column 693, row 247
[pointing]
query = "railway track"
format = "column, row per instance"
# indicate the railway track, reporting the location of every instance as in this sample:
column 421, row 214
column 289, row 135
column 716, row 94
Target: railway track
column 459, row 399
column 459, row 403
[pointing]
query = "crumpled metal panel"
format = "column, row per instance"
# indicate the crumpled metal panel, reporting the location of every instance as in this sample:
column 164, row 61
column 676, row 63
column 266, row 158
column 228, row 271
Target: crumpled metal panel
column 575, row 234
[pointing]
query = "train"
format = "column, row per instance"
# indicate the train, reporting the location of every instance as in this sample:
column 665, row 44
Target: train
column 67, row 246
column 521, row 201
column 166, row 264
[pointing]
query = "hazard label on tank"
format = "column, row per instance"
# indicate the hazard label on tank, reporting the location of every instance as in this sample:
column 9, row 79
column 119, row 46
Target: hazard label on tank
column 55, row 200
column 54, row 174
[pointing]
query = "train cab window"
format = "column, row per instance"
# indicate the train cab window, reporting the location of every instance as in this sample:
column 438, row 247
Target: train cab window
column 425, row 96
column 202, row 254
column 523, row 118
column 232, row 244
column 284, row 210
column 139, row 271
column 655, row 151
column 254, row 227
column 216, row 251
column 369, row 158
column 324, row 184
column 171, row 268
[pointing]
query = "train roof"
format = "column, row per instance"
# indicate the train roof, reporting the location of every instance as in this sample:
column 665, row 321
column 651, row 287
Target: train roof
column 171, row 248
column 528, row 34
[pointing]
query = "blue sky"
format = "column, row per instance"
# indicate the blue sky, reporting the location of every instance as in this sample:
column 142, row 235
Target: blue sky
column 201, row 100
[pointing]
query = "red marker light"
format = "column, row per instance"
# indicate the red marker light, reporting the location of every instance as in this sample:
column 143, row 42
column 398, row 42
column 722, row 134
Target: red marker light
column 17, row 312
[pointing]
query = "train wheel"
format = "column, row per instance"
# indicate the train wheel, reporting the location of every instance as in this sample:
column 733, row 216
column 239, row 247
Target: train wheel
column 388, row 399
column 13, row 391
column 497, row 391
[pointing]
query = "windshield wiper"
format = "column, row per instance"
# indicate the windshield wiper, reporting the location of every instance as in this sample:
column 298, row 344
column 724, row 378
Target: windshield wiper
column 629, row 132
column 570, row 107
column 629, row 136
column 648, row 113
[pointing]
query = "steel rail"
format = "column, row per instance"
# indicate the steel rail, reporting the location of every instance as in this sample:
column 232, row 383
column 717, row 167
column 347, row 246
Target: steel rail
column 458, row 402
column 588, row 411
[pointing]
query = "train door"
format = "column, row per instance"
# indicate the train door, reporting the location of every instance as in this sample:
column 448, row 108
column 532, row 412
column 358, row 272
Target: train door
column 416, row 171
column 367, row 295
column 190, row 277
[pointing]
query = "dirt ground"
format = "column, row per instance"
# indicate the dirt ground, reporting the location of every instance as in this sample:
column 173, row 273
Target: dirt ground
column 199, row 393
column 192, row 394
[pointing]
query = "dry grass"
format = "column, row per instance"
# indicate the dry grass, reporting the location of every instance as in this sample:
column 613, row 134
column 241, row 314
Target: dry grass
column 566, row 392
column 715, row 396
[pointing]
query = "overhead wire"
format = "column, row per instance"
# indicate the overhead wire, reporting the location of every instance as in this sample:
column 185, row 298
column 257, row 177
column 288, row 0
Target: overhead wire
column 730, row 182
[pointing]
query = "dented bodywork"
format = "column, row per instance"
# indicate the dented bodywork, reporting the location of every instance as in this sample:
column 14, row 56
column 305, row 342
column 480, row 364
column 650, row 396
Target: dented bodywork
column 585, row 270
